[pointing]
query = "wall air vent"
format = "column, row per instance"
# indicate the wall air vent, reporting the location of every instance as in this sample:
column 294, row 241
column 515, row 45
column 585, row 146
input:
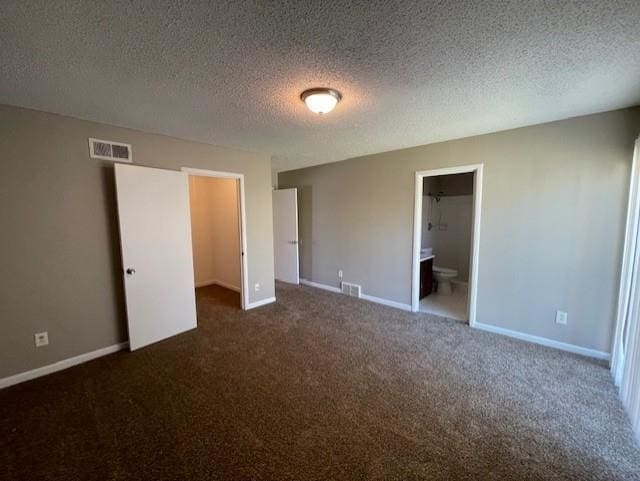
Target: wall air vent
column 352, row 290
column 108, row 150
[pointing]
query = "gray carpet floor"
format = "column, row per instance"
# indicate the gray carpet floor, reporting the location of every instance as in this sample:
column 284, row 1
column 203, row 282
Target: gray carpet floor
column 320, row 387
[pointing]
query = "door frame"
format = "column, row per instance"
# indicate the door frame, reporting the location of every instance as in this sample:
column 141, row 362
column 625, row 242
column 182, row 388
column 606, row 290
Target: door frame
column 626, row 292
column 476, row 169
column 244, row 256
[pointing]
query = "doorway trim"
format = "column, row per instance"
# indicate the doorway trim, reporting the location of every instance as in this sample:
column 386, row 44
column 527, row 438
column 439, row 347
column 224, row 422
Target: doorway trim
column 476, row 169
column 244, row 257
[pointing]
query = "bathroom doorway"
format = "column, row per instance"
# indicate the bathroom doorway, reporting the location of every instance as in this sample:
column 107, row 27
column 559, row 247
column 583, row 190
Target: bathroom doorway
column 446, row 242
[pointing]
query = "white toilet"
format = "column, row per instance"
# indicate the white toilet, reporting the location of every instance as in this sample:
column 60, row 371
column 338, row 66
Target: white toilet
column 444, row 275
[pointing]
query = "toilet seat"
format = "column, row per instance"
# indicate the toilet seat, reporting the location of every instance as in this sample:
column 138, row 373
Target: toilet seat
column 444, row 276
column 445, row 271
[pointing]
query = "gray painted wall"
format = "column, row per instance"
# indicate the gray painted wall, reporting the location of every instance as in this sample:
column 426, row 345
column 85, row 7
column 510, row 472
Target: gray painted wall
column 554, row 201
column 60, row 252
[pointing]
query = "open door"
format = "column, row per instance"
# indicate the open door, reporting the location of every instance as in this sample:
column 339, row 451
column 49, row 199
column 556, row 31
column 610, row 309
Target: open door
column 285, row 235
column 157, row 261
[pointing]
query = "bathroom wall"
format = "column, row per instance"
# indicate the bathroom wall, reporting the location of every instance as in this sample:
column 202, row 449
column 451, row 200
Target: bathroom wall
column 452, row 184
column 215, row 231
column 451, row 218
column 450, row 236
column 428, row 185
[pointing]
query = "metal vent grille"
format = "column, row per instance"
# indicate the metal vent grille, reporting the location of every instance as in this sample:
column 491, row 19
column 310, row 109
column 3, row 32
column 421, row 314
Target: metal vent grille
column 102, row 148
column 352, row 290
column 107, row 150
column 120, row 151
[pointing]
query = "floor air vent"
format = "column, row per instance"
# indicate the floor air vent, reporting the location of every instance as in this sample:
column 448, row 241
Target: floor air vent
column 352, row 290
column 108, row 150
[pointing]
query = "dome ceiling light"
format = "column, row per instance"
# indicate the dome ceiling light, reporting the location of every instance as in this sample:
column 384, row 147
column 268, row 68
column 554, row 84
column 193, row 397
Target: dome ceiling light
column 321, row 100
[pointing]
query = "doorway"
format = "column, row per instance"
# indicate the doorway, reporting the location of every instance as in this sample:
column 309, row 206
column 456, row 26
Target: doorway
column 154, row 216
column 217, row 225
column 446, row 241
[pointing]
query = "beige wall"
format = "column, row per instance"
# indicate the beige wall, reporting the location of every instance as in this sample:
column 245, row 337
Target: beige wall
column 215, row 230
column 554, row 199
column 60, row 256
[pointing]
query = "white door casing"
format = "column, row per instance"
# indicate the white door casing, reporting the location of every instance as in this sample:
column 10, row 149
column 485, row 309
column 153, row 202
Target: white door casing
column 285, row 235
column 244, row 254
column 625, row 355
column 474, row 257
column 157, row 258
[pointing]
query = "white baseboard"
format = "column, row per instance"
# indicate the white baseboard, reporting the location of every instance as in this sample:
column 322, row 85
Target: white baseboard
column 386, row 302
column 227, row 285
column 262, row 302
column 366, row 297
column 563, row 346
column 218, row 283
column 484, row 327
column 324, row 287
column 207, row 282
column 60, row 365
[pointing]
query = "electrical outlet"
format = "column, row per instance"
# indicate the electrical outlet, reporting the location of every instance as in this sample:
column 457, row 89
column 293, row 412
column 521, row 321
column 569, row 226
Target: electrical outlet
column 256, row 287
column 561, row 317
column 41, row 339
column 339, row 273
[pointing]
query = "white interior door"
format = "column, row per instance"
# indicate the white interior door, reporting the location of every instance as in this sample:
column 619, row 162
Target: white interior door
column 157, row 258
column 285, row 235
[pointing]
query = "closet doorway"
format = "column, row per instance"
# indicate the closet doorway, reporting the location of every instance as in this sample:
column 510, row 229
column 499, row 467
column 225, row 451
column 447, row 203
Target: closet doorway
column 216, row 201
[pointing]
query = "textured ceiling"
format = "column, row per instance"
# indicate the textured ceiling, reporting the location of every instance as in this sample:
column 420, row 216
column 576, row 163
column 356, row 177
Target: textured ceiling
column 230, row 73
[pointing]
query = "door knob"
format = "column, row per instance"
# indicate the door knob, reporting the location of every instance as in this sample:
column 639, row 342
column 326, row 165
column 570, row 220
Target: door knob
column 130, row 271
column 293, row 242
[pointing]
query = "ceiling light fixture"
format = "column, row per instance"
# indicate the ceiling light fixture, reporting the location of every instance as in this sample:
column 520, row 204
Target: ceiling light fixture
column 321, row 100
